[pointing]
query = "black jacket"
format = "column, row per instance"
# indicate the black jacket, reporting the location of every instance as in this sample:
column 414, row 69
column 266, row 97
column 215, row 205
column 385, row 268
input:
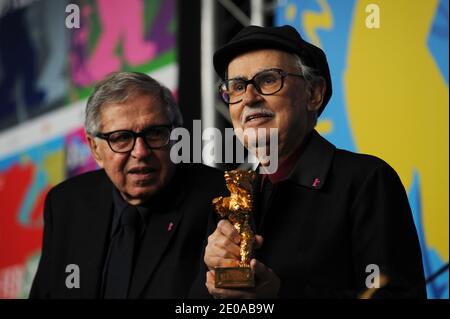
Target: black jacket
column 337, row 213
column 77, row 222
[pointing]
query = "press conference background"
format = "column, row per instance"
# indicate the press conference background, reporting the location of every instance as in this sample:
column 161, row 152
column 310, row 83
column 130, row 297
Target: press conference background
column 390, row 99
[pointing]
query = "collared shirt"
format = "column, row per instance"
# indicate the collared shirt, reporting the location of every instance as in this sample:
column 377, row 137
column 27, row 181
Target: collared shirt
column 120, row 205
column 161, row 201
column 336, row 213
column 286, row 167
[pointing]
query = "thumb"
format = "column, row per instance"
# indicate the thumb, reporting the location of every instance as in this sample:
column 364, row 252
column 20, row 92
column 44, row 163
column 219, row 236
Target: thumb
column 259, row 268
column 268, row 282
column 258, row 242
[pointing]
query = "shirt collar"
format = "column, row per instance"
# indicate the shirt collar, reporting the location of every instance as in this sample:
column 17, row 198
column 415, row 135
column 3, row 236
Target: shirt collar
column 120, row 205
column 313, row 165
column 164, row 200
column 307, row 166
column 285, row 168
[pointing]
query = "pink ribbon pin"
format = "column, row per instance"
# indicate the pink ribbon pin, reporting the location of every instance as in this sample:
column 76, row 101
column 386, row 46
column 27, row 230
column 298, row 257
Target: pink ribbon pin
column 316, row 182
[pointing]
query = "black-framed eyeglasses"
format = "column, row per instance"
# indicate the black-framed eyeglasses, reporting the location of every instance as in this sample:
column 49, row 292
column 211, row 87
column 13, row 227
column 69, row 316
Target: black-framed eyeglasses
column 266, row 82
column 123, row 141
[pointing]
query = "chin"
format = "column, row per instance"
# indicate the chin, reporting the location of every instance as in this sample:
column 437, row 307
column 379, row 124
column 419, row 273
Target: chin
column 257, row 140
column 139, row 196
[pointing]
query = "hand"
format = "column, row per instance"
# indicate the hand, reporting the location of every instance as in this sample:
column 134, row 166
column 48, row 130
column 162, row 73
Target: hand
column 223, row 248
column 223, row 251
column 267, row 284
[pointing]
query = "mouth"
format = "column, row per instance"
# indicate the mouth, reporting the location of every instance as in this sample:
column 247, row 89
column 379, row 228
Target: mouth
column 141, row 171
column 257, row 118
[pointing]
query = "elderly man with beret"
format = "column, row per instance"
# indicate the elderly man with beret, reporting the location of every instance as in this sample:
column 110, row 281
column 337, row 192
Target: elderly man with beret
column 328, row 221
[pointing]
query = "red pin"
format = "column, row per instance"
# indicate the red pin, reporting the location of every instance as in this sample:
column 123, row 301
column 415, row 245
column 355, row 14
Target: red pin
column 316, row 182
column 169, row 228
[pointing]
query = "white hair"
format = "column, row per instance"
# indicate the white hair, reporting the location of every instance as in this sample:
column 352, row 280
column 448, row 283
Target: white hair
column 119, row 87
column 312, row 78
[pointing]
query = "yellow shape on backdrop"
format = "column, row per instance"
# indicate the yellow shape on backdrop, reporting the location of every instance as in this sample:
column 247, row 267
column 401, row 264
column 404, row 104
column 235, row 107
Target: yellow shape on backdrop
column 290, row 12
column 397, row 103
column 324, row 127
column 313, row 21
column 53, row 165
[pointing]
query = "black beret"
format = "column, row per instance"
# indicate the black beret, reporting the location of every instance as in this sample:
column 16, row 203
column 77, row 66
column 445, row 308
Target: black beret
column 284, row 38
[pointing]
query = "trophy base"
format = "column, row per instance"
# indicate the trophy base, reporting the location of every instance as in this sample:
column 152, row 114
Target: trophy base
column 234, row 277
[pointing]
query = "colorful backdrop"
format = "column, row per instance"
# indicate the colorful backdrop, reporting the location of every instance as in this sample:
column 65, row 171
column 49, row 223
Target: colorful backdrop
column 390, row 99
column 49, row 70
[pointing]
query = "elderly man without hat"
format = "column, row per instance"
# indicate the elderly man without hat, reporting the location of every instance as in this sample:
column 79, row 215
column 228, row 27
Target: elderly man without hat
column 328, row 219
column 134, row 228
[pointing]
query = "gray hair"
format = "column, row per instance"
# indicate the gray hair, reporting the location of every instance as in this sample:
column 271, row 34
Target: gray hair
column 312, row 77
column 310, row 74
column 118, row 87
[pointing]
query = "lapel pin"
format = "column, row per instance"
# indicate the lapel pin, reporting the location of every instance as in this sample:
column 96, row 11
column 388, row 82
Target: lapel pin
column 169, row 228
column 316, row 182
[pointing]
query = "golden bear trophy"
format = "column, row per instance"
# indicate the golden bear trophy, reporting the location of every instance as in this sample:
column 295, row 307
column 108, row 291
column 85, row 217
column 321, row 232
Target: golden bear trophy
column 237, row 208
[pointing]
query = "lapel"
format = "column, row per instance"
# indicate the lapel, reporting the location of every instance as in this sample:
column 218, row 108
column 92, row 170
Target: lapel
column 313, row 165
column 259, row 209
column 310, row 171
column 93, row 239
column 163, row 224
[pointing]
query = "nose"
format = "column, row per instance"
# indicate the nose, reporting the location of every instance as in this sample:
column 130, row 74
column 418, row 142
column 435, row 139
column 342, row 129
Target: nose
column 140, row 150
column 251, row 95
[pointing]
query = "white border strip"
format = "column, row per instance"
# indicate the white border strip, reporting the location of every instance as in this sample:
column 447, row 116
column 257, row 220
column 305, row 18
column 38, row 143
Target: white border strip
column 63, row 120
column 207, row 70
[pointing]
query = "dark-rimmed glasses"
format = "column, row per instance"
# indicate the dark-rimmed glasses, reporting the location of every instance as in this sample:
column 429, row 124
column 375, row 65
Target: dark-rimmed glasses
column 123, row 141
column 266, row 82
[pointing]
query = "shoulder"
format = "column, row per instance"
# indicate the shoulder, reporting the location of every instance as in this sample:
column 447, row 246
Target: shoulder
column 202, row 173
column 70, row 199
column 364, row 171
column 201, row 178
column 360, row 164
column 83, row 183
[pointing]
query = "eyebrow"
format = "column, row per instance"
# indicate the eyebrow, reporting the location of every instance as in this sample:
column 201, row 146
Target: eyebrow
column 241, row 77
column 143, row 130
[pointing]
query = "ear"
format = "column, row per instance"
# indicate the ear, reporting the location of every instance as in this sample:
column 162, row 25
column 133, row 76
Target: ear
column 95, row 151
column 317, row 93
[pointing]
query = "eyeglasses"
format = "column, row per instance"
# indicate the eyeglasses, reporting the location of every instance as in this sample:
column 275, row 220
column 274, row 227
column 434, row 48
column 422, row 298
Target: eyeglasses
column 123, row 141
column 266, row 82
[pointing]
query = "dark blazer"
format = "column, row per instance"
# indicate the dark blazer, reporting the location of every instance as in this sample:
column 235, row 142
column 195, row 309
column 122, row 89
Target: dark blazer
column 337, row 213
column 77, row 222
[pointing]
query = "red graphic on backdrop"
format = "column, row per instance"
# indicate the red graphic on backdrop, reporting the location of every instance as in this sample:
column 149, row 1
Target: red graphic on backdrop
column 18, row 239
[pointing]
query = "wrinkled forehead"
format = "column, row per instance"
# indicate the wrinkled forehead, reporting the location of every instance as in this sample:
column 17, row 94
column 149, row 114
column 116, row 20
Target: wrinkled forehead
column 139, row 108
column 139, row 101
column 254, row 61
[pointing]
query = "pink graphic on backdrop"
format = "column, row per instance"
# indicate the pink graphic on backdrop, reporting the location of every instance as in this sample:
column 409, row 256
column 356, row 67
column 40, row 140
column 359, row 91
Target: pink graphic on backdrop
column 78, row 56
column 160, row 31
column 120, row 20
column 78, row 155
